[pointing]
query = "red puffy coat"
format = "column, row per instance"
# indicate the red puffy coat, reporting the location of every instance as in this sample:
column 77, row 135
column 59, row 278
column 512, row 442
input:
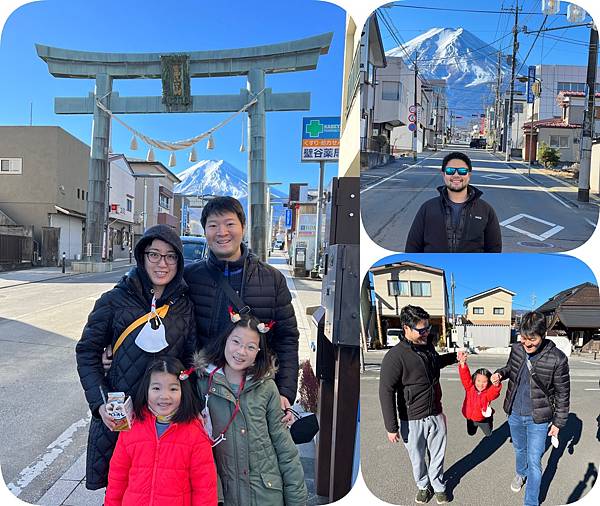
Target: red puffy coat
column 176, row 469
column 475, row 402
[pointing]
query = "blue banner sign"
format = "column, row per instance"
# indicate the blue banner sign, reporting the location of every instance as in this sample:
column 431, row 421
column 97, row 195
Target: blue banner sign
column 530, row 81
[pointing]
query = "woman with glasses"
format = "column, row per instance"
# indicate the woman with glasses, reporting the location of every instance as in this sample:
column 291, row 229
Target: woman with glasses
column 147, row 313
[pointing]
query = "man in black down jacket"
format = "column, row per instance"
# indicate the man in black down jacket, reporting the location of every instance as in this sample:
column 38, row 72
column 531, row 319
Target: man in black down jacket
column 409, row 388
column 459, row 220
column 113, row 312
column 262, row 288
column 537, row 400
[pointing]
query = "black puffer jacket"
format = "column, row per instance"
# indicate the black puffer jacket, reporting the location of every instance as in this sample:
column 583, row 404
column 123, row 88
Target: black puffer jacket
column 552, row 369
column 409, row 382
column 113, row 312
column 432, row 231
column 265, row 291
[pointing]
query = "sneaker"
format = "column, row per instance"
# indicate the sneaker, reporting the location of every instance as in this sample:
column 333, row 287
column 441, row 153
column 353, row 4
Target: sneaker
column 441, row 498
column 517, row 483
column 423, row 496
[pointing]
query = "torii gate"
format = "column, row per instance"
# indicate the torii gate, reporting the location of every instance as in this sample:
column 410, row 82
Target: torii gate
column 176, row 69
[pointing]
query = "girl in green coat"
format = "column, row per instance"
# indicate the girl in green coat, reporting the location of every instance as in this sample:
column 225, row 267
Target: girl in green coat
column 257, row 461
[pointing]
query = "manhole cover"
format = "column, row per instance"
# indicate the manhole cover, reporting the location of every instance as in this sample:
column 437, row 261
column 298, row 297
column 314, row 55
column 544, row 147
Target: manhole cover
column 529, row 244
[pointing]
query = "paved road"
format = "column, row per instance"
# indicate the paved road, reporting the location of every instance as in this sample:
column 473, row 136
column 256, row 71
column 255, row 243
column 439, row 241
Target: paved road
column 537, row 213
column 42, row 401
column 479, row 470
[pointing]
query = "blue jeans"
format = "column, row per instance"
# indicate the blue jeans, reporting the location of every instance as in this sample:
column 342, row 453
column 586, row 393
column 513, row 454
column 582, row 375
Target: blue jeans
column 529, row 442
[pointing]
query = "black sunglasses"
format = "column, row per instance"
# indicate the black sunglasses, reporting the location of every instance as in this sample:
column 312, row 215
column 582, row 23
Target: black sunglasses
column 462, row 171
column 423, row 331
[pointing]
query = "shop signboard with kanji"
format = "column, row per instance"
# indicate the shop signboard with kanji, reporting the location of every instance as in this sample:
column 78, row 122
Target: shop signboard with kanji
column 320, row 139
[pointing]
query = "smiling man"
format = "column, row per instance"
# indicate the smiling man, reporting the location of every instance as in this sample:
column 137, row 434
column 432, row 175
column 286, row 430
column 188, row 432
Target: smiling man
column 459, row 220
column 260, row 286
column 537, row 401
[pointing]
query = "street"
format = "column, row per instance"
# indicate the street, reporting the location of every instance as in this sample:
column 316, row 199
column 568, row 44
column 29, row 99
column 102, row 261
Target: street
column 537, row 213
column 478, row 470
column 42, row 400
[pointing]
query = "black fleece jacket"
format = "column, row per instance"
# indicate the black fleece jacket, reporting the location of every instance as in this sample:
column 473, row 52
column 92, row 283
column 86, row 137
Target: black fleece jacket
column 409, row 384
column 432, row 231
column 552, row 370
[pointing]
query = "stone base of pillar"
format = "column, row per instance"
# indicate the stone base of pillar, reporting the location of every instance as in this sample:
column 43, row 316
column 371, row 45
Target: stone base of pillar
column 91, row 267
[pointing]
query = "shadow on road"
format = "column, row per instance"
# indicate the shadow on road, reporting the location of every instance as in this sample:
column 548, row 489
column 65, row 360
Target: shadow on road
column 598, row 431
column 569, row 436
column 484, row 449
column 591, row 475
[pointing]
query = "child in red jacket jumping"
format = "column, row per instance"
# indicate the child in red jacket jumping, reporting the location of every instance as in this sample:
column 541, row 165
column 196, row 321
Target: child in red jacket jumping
column 479, row 393
column 166, row 458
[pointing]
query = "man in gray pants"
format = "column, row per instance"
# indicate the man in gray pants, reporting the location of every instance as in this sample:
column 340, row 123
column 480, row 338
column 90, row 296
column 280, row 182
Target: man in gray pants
column 409, row 389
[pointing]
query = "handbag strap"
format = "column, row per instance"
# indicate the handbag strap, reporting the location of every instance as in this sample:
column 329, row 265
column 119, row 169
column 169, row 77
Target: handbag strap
column 536, row 379
column 161, row 312
column 235, row 299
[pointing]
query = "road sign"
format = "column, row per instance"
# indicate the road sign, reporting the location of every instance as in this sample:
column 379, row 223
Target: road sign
column 288, row 218
column 320, row 139
column 412, row 118
column 412, row 127
column 412, row 109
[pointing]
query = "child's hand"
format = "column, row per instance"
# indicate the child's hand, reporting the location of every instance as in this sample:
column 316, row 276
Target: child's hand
column 462, row 357
column 108, row 420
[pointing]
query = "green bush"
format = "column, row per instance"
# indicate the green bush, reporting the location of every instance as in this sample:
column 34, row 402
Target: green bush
column 548, row 156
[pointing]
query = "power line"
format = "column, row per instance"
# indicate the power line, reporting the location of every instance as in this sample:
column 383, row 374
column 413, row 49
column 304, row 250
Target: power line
column 475, row 11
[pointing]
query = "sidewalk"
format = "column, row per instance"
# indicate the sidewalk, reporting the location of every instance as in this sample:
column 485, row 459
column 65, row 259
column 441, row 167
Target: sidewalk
column 40, row 274
column 69, row 489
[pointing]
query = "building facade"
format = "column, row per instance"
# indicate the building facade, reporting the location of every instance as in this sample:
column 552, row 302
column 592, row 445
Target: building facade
column 492, row 307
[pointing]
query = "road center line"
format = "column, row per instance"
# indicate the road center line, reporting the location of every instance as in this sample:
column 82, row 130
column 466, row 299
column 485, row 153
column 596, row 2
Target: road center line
column 395, row 174
column 33, row 470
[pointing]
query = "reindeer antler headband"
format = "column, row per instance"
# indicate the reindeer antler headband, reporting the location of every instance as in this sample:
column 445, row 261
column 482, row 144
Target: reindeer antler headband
column 263, row 328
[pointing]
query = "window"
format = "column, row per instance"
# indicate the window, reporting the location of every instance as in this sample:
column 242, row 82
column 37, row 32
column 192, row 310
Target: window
column 420, row 288
column 11, row 165
column 390, row 90
column 568, row 86
column 396, row 287
column 163, row 201
column 477, row 310
column 129, row 205
column 559, row 141
column 498, row 310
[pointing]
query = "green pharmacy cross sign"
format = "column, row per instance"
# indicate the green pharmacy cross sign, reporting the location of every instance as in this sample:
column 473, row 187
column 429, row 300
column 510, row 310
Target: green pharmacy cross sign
column 321, row 139
column 314, row 128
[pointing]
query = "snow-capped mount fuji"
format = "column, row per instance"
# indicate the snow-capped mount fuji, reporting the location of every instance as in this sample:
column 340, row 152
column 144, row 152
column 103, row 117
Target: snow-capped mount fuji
column 463, row 60
column 216, row 177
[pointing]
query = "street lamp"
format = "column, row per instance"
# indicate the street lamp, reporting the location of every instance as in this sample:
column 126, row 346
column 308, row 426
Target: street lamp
column 270, row 208
column 536, row 88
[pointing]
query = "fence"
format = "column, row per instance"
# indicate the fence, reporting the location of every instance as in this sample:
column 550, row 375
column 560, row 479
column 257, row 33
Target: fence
column 15, row 250
column 482, row 336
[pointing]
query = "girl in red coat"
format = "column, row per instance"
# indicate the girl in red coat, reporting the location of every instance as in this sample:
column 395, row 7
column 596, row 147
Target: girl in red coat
column 166, row 458
column 479, row 393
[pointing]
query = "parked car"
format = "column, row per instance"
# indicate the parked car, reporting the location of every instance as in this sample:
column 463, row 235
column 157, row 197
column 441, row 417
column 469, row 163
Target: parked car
column 392, row 337
column 478, row 143
column 194, row 249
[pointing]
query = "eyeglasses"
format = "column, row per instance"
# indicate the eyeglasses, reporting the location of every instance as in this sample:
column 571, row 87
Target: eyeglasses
column 250, row 348
column 423, row 331
column 462, row 171
column 154, row 257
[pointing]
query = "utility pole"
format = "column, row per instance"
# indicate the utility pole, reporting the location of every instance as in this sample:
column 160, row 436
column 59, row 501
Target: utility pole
column 512, row 83
column 452, row 285
column 583, row 193
column 437, row 114
column 497, row 102
column 414, row 140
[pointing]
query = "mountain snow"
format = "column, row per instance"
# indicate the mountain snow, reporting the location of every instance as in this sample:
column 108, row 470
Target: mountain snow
column 467, row 63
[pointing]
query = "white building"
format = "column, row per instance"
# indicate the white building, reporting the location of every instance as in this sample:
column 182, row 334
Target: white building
column 121, row 207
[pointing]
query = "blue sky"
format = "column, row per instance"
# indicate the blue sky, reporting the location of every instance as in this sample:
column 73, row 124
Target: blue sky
column 542, row 275
column 150, row 26
column 490, row 27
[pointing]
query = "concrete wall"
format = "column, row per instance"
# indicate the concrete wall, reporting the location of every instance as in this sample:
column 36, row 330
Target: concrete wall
column 496, row 299
column 54, row 167
column 434, row 304
column 487, row 336
column 595, row 170
column 568, row 154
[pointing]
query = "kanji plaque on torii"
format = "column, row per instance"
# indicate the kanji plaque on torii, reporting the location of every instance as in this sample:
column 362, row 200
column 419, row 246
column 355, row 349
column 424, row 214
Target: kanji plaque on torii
column 175, row 70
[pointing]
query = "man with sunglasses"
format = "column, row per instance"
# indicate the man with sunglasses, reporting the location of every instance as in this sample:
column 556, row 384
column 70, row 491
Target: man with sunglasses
column 409, row 389
column 537, row 401
column 459, row 220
